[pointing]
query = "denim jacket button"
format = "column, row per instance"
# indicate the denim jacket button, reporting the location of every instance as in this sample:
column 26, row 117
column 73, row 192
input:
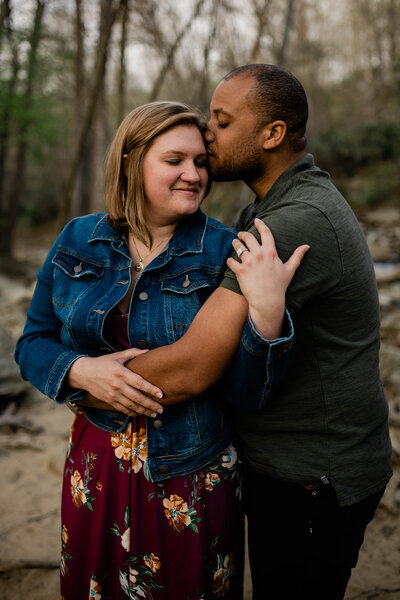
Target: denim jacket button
column 186, row 282
column 142, row 344
column 158, row 424
column 143, row 296
column 77, row 268
column 164, row 469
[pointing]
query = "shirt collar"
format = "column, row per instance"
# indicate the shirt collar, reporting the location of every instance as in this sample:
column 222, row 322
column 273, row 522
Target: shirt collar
column 304, row 163
column 188, row 236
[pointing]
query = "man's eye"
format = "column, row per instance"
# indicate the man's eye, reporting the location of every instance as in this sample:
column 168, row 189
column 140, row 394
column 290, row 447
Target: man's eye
column 200, row 163
column 223, row 125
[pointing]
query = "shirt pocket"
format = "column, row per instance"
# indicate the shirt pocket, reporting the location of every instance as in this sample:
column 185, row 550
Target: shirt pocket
column 74, row 277
column 184, row 293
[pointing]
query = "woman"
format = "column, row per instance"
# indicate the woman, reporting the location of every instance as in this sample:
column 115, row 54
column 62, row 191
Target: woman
column 150, row 505
column 129, row 529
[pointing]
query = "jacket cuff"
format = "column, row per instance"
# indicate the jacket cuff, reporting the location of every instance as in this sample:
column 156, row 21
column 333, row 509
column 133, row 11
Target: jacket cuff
column 259, row 346
column 56, row 387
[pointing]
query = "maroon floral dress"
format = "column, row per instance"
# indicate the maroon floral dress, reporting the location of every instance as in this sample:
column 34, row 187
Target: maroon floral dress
column 124, row 536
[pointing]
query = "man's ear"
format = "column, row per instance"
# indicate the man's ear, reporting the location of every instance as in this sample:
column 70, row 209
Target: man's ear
column 273, row 135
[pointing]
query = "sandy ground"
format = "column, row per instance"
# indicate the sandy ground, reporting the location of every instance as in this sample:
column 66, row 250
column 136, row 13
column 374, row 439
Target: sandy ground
column 31, row 468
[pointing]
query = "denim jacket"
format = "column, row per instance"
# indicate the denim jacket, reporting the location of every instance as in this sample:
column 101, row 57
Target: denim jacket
column 85, row 275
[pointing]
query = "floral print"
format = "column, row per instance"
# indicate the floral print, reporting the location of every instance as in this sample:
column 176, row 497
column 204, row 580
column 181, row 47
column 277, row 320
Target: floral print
column 176, row 512
column 77, row 490
column 79, row 485
column 130, row 446
column 222, row 575
column 211, row 480
column 229, row 458
column 152, row 562
column 134, row 526
column 95, row 589
column 64, row 554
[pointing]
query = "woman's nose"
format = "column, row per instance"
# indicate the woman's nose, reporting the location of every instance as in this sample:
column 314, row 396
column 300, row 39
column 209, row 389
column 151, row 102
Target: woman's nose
column 190, row 172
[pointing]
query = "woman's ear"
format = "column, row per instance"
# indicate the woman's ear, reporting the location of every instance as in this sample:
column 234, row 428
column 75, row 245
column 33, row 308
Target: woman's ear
column 274, row 134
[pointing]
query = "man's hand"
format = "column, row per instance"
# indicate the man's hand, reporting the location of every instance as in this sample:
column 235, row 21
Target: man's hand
column 110, row 382
column 264, row 278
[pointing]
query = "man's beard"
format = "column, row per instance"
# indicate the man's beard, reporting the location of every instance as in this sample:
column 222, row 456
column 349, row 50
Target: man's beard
column 233, row 170
column 244, row 166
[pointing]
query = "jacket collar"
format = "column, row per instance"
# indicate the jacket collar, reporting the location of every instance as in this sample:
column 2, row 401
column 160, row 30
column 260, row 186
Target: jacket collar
column 188, row 236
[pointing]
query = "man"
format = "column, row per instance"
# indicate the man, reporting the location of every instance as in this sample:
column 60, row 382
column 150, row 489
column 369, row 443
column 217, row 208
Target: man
column 317, row 452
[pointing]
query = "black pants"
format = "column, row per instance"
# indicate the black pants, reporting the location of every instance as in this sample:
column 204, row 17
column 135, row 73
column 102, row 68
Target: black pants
column 302, row 545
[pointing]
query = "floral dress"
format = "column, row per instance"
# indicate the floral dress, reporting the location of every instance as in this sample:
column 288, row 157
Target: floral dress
column 124, row 536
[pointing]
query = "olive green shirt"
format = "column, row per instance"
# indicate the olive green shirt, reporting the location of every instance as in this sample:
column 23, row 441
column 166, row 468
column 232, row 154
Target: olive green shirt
column 329, row 416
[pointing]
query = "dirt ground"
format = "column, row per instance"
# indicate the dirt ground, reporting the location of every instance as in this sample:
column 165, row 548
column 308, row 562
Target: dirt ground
column 31, row 468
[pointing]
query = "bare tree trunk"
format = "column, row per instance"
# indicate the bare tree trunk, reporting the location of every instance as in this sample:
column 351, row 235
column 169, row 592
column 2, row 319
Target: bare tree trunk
column 169, row 60
column 262, row 17
column 288, row 27
column 203, row 93
column 122, row 66
column 5, row 13
column 81, row 196
column 6, row 113
column 109, row 12
column 7, row 227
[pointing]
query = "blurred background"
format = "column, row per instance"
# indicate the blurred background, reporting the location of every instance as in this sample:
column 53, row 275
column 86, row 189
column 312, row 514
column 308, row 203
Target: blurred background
column 70, row 70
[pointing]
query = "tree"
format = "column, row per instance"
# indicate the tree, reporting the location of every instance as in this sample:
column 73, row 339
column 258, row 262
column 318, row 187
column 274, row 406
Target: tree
column 10, row 210
column 109, row 13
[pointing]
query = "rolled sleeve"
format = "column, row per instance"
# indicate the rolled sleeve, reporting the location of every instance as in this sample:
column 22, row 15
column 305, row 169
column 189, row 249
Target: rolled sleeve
column 257, row 367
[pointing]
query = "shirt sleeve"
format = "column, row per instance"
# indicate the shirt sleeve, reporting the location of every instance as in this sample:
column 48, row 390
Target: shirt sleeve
column 321, row 268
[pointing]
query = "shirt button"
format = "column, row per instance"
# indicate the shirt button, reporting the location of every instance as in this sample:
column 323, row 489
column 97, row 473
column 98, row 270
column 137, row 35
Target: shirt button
column 314, row 493
column 77, row 268
column 142, row 344
column 158, row 424
column 164, row 469
column 143, row 296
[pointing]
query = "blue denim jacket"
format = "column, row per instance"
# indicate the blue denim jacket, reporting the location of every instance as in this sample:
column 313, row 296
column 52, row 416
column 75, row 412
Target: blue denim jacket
column 85, row 275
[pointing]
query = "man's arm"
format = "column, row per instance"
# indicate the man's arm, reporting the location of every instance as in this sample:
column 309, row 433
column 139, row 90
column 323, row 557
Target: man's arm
column 198, row 359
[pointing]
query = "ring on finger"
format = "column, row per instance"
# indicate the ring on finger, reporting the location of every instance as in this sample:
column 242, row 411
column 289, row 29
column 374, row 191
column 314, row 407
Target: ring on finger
column 240, row 251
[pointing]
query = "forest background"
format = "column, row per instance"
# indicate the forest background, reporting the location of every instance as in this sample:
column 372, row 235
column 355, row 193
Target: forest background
column 70, row 70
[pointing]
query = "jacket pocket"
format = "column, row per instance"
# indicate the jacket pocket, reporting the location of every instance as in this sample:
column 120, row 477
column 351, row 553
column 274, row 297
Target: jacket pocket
column 76, row 266
column 184, row 293
column 74, row 277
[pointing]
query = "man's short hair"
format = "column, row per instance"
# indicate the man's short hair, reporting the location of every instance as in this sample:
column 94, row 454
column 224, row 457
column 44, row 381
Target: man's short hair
column 278, row 95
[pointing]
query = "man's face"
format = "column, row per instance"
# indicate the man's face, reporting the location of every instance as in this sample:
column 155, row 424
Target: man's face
column 234, row 143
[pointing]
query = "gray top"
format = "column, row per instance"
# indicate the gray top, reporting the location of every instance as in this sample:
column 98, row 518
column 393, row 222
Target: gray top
column 329, row 416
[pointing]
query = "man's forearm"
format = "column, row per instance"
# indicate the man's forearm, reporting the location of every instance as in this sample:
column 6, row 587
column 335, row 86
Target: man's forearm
column 198, row 359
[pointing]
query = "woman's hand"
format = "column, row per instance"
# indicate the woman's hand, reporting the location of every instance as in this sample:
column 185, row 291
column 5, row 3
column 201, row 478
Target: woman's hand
column 264, row 278
column 110, row 382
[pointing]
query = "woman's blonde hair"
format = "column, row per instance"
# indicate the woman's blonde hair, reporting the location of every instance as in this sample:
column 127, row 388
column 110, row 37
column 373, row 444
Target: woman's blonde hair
column 124, row 185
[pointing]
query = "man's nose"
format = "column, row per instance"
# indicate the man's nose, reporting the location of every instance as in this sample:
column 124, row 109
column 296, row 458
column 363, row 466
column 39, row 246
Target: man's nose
column 208, row 135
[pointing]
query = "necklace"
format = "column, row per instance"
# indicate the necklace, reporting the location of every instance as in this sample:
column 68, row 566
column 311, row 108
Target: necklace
column 139, row 266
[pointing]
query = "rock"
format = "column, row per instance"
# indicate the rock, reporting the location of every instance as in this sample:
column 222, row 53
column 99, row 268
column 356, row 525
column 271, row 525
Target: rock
column 387, row 215
column 11, row 383
column 387, row 272
column 390, row 366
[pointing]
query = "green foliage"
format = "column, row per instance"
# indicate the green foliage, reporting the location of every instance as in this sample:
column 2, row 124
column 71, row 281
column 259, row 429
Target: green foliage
column 348, row 150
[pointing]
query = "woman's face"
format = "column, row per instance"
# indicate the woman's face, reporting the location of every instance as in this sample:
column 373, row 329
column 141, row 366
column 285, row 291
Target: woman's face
column 174, row 175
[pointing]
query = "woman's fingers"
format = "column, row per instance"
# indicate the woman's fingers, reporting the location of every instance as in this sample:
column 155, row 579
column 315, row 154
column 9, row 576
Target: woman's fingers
column 294, row 261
